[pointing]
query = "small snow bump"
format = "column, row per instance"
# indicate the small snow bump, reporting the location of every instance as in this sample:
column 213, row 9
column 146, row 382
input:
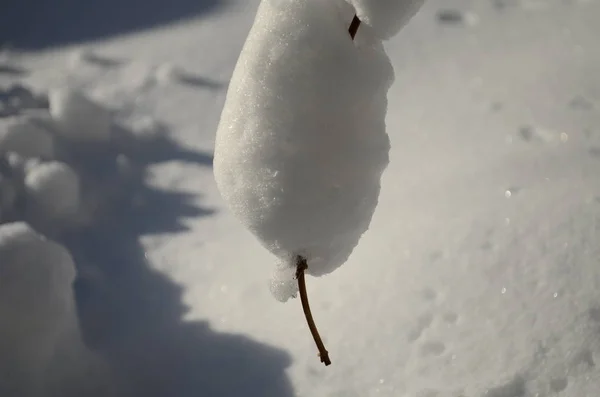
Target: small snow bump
column 79, row 57
column 496, row 106
column 514, row 388
column 450, row 16
column 435, row 255
column 425, row 320
column 427, row 393
column 502, row 4
column 52, row 191
column 124, row 166
column 559, row 384
column 434, row 348
column 428, row 294
column 584, row 358
column 526, row 132
column 414, row 334
column 511, row 191
column 594, row 151
column 22, row 135
column 78, row 118
column 167, row 73
column 581, row 103
column 450, row 317
column 595, row 314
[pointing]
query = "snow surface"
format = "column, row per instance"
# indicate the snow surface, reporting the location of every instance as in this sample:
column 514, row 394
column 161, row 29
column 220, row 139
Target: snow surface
column 301, row 143
column 478, row 276
column 21, row 135
column 77, row 117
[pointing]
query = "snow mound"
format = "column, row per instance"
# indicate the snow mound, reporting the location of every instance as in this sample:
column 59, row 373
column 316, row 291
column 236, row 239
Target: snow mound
column 79, row 118
column 53, row 191
column 386, row 17
column 63, row 171
column 302, row 144
column 16, row 98
column 8, row 194
column 32, row 263
column 36, row 302
column 41, row 347
column 21, row 134
column 69, row 165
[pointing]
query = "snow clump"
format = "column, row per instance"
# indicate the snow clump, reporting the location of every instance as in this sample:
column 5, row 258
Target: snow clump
column 21, row 135
column 36, row 304
column 302, row 144
column 53, row 191
column 78, row 118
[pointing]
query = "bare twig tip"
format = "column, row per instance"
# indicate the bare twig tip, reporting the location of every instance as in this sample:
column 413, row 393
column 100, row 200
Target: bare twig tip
column 301, row 266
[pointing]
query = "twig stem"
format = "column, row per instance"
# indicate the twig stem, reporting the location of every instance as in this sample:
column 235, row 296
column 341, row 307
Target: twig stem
column 301, row 266
column 354, row 26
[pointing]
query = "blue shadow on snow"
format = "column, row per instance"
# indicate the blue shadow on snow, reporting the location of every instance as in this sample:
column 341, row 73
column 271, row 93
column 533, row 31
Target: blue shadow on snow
column 38, row 24
column 133, row 315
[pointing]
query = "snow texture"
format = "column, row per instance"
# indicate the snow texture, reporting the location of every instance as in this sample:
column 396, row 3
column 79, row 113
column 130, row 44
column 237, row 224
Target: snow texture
column 301, row 144
column 8, row 195
column 52, row 191
column 21, row 134
column 36, row 304
column 78, row 118
column 283, row 285
column 480, row 275
column 43, row 354
column 386, row 17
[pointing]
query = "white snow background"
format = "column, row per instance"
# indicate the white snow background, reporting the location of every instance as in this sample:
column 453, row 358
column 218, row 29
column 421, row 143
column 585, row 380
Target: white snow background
column 479, row 275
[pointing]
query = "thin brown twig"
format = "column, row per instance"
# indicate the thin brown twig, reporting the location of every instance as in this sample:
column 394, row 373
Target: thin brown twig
column 301, row 266
column 354, row 26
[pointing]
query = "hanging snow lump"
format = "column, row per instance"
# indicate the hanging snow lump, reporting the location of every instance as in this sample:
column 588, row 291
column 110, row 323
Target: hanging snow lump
column 301, row 144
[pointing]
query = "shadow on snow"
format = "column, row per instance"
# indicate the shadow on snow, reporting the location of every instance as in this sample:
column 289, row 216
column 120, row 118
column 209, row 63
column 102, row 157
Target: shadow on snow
column 132, row 315
column 37, row 24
